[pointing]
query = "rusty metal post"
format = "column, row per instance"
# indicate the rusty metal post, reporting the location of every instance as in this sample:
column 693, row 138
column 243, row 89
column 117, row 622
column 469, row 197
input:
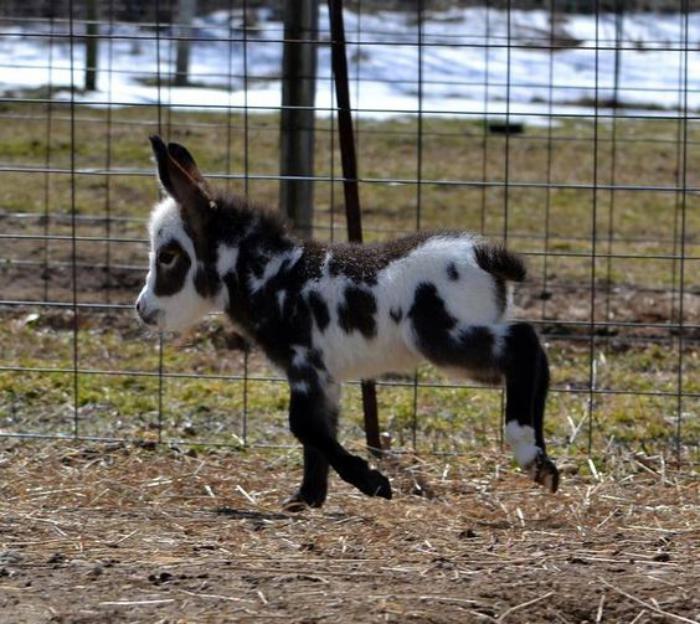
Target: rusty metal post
column 350, row 188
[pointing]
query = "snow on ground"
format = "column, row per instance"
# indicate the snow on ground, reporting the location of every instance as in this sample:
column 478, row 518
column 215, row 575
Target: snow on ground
column 466, row 63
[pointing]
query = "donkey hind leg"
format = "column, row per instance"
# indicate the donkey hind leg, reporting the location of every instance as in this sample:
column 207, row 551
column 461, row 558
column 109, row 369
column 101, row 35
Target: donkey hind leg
column 312, row 414
column 526, row 369
column 513, row 351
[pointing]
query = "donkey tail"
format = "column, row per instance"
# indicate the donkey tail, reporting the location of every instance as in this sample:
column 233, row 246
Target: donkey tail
column 499, row 262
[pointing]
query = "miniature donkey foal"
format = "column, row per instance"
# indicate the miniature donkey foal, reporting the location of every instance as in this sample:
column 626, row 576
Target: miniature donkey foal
column 327, row 313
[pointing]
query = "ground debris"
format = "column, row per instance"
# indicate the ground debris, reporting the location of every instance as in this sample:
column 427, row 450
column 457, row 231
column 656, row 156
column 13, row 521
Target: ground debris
column 488, row 547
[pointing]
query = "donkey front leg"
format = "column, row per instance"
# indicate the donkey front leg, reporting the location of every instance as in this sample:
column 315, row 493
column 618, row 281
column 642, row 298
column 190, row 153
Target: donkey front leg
column 314, row 485
column 312, row 415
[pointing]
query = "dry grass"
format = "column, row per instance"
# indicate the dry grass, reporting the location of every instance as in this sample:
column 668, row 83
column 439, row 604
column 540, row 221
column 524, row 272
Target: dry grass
column 126, row 534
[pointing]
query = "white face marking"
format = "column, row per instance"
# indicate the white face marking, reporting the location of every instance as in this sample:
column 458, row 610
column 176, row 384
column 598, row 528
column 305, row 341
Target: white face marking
column 522, row 440
column 184, row 307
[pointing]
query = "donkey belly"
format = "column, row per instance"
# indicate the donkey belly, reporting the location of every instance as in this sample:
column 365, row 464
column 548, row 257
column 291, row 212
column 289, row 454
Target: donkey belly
column 354, row 356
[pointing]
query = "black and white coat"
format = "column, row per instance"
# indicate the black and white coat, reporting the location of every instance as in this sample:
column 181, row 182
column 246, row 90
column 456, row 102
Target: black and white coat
column 327, row 313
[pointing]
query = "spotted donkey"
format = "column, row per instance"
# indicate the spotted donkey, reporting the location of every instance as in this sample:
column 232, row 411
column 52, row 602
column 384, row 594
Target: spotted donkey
column 327, row 313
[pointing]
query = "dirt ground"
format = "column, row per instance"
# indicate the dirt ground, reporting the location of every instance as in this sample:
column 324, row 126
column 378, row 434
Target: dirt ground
column 132, row 534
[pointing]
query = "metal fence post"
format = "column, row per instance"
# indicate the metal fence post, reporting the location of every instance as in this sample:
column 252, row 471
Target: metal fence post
column 91, row 43
column 297, row 117
column 350, row 188
column 186, row 13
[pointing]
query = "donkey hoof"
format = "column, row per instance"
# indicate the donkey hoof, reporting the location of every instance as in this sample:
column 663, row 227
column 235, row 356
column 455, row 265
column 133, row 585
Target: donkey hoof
column 377, row 484
column 294, row 505
column 543, row 471
column 299, row 502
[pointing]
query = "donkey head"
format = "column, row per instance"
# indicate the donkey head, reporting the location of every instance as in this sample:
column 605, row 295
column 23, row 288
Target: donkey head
column 182, row 284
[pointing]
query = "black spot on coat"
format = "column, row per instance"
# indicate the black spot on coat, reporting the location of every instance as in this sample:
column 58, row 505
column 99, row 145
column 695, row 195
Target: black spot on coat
column 431, row 319
column 452, row 272
column 315, row 358
column 357, row 312
column 471, row 348
column 319, row 310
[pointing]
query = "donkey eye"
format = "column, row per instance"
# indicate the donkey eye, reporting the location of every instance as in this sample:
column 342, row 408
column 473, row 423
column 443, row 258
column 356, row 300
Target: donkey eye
column 167, row 257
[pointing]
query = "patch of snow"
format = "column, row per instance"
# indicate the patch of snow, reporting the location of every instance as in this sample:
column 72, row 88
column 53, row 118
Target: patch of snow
column 466, row 64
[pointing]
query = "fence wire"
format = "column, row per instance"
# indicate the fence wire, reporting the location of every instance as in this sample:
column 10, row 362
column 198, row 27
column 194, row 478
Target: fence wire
column 475, row 122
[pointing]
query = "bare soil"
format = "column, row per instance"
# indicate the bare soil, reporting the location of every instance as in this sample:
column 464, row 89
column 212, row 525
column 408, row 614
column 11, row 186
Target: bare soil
column 132, row 534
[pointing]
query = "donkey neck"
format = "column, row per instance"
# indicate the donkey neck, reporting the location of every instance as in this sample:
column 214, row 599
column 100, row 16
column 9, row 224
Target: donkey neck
column 255, row 257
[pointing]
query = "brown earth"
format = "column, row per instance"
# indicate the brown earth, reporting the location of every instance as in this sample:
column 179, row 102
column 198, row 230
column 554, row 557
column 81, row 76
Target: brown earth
column 127, row 534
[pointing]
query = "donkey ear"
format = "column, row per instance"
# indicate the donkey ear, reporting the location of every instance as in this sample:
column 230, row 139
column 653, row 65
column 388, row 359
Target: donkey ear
column 183, row 158
column 160, row 153
column 179, row 175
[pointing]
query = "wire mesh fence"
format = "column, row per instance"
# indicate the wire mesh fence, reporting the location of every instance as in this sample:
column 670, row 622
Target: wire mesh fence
column 571, row 137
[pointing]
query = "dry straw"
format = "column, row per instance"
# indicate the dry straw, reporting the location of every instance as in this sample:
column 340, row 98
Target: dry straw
column 123, row 534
